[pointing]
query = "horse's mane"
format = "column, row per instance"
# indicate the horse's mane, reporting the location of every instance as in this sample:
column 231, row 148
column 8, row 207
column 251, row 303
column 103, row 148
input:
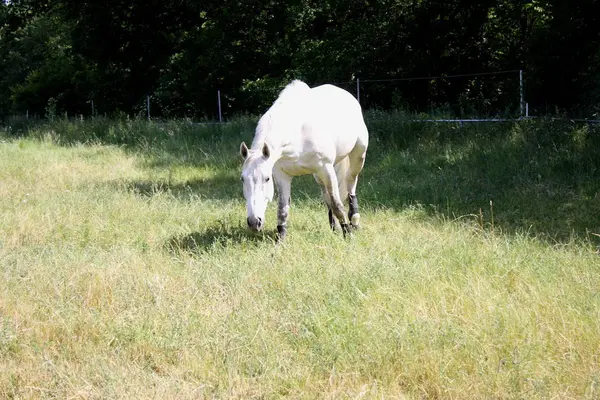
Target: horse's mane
column 283, row 114
column 293, row 88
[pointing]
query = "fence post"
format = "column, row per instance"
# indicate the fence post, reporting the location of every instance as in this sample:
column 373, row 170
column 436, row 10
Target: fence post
column 93, row 109
column 148, row 106
column 358, row 90
column 526, row 109
column 521, row 102
column 219, row 104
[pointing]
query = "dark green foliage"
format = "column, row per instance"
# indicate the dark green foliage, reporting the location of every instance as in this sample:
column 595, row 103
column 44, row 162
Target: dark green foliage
column 59, row 56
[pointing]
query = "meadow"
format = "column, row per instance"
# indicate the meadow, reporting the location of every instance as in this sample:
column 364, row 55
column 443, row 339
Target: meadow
column 127, row 270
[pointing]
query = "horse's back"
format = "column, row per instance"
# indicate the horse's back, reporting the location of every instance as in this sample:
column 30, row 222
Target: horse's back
column 335, row 114
column 331, row 103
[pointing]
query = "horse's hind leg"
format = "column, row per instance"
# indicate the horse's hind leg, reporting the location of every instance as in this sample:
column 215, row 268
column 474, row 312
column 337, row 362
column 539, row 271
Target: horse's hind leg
column 357, row 161
column 332, row 195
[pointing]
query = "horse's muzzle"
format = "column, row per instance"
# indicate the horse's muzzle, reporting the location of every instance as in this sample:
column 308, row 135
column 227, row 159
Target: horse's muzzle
column 255, row 223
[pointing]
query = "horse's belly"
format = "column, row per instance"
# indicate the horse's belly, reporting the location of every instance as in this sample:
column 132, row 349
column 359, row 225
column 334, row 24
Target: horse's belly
column 343, row 147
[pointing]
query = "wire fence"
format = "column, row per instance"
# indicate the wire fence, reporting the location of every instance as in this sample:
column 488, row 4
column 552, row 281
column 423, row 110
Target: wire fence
column 484, row 95
column 497, row 96
column 488, row 96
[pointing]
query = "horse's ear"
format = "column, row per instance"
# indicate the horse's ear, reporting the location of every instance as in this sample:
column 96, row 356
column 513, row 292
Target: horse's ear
column 266, row 151
column 244, row 150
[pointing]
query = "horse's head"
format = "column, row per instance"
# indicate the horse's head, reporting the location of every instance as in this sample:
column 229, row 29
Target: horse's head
column 257, row 181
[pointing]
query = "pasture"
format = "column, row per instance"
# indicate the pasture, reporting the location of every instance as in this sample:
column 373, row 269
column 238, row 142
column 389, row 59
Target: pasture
column 127, row 270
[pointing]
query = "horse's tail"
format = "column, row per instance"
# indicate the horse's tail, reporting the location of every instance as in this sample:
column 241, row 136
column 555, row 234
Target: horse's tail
column 342, row 169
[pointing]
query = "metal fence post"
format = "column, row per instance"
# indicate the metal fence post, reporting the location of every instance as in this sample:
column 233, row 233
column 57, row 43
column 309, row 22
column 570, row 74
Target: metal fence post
column 358, row 90
column 521, row 102
column 219, row 104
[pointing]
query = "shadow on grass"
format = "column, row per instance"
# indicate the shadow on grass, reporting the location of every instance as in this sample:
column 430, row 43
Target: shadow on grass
column 222, row 186
column 542, row 178
column 537, row 177
column 218, row 237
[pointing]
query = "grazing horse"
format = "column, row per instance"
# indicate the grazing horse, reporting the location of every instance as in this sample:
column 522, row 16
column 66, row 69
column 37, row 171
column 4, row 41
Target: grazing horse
column 319, row 131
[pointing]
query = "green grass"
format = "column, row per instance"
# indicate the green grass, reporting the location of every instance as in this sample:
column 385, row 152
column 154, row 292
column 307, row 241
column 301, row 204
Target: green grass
column 127, row 272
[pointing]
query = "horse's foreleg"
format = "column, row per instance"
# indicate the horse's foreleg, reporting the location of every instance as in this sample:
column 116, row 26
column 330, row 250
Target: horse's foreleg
column 357, row 161
column 284, row 191
column 331, row 220
column 330, row 183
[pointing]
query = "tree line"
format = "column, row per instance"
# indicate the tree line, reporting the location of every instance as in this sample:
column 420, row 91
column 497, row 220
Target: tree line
column 58, row 56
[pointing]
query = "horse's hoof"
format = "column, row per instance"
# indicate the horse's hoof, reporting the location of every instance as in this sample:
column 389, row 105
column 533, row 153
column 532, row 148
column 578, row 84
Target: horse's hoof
column 347, row 230
column 355, row 221
column 281, row 233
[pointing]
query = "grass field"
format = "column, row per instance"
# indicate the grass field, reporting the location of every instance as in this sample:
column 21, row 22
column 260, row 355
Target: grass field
column 127, row 271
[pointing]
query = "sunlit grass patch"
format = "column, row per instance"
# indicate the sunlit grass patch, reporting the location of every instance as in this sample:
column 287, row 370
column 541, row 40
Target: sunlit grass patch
column 126, row 270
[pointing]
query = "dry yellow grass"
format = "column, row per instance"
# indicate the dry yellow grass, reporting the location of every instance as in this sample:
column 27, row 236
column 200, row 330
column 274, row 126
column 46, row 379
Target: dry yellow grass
column 122, row 277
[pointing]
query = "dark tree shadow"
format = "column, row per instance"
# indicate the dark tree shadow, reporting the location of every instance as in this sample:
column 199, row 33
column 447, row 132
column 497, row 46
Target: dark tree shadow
column 218, row 237
column 225, row 185
column 545, row 181
column 542, row 177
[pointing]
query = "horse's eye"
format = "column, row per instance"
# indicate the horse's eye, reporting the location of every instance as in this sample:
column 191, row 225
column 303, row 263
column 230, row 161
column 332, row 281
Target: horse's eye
column 267, row 179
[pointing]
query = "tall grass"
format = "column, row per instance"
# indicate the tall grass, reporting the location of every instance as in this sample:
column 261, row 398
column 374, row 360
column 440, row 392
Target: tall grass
column 127, row 271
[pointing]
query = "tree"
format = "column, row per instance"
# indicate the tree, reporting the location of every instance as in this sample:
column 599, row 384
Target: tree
column 116, row 52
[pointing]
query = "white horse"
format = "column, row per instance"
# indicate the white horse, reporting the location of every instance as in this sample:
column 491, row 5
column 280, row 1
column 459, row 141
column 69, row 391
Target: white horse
column 319, row 131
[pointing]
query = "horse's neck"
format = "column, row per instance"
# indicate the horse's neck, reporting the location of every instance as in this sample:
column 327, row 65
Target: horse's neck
column 281, row 126
column 276, row 131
